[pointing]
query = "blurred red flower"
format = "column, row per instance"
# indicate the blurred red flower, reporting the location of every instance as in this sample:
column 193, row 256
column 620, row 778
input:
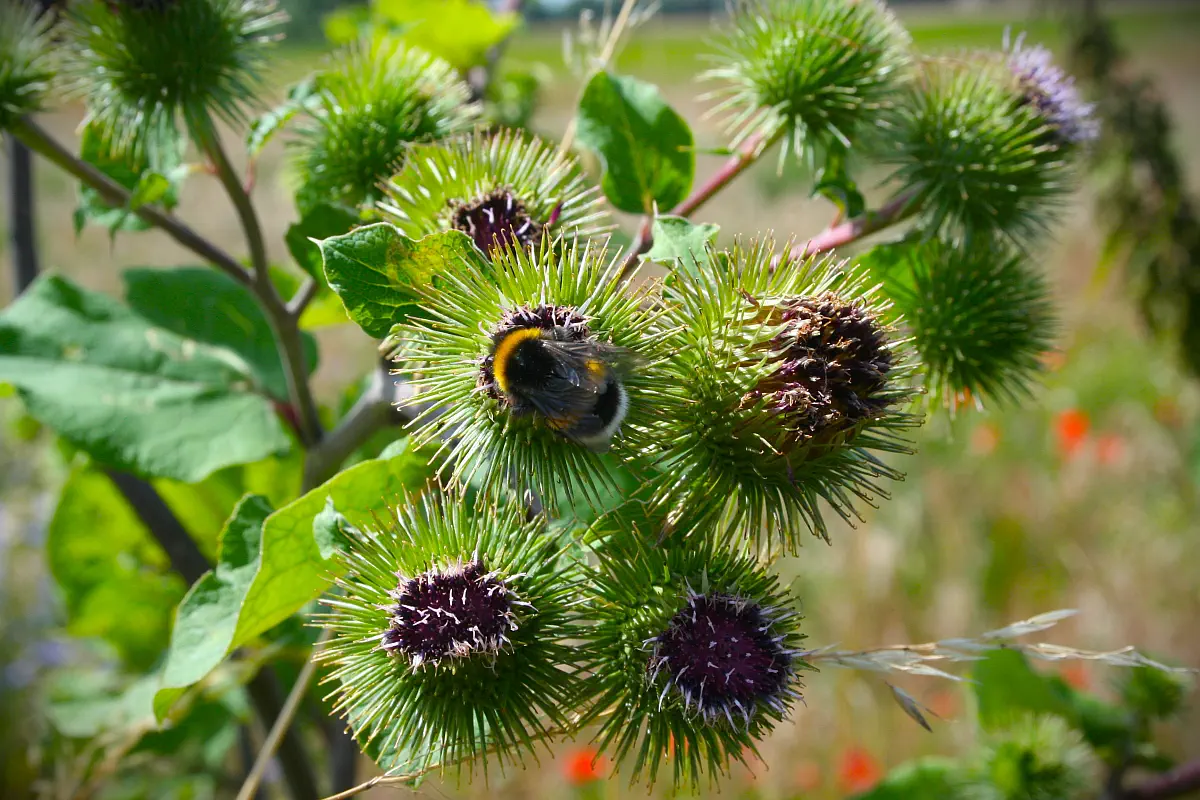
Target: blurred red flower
column 1076, row 675
column 858, row 770
column 1071, row 427
column 584, row 766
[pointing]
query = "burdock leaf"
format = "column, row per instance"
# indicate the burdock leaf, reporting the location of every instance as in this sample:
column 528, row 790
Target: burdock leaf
column 680, row 242
column 133, row 395
column 645, row 145
column 205, row 305
column 377, row 270
column 319, row 222
column 270, row 565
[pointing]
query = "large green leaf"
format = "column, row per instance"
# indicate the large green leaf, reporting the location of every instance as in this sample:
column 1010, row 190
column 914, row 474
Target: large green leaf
column 682, row 243
column 646, row 147
column 208, row 616
column 1007, row 688
column 322, row 221
column 133, row 395
column 377, row 270
column 270, row 565
column 210, row 307
column 114, row 578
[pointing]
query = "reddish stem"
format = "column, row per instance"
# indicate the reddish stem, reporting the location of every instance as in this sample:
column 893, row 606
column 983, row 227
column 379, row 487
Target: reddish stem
column 899, row 208
column 746, row 155
column 1179, row 781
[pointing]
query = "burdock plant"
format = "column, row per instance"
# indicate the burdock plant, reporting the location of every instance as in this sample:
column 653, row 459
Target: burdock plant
column 554, row 508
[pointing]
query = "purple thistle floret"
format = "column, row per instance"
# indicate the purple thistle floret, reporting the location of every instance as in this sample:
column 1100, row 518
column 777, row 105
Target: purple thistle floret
column 455, row 612
column 1051, row 91
column 498, row 220
column 721, row 655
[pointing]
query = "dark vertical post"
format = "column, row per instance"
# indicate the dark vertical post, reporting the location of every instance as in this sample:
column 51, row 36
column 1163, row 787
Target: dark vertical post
column 21, row 218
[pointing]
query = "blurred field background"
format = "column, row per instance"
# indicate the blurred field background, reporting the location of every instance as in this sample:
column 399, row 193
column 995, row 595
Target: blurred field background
column 1087, row 497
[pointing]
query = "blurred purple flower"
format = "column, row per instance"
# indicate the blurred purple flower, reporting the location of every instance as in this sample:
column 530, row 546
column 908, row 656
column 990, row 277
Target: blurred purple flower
column 1051, row 91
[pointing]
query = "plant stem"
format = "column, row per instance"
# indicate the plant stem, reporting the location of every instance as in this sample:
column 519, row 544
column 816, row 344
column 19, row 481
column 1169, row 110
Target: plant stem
column 210, row 142
column 37, row 140
column 1180, row 781
column 282, row 724
column 746, row 155
column 896, row 210
column 21, row 221
column 283, row 323
column 374, row 410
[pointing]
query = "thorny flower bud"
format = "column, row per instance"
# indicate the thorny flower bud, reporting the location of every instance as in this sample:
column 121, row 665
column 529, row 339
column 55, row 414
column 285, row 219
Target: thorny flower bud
column 1047, row 88
column 502, row 190
column 26, row 67
column 449, row 633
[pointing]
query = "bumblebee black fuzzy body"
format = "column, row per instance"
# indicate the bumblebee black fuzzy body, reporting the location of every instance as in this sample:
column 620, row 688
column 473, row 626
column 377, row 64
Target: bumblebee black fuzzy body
column 575, row 386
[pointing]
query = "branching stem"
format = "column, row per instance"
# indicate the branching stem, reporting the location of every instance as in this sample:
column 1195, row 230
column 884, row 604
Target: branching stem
column 283, row 322
column 39, row 141
column 746, row 155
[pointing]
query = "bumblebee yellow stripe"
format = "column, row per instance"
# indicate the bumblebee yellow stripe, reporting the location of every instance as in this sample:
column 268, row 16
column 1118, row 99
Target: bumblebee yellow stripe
column 504, row 352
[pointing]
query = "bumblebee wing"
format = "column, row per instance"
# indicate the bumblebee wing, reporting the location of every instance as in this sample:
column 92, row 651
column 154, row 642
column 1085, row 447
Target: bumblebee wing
column 589, row 364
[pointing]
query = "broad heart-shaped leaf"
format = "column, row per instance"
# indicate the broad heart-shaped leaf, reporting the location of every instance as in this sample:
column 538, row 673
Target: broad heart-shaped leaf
column 210, row 307
column 264, row 576
column 114, row 579
column 132, row 395
column 645, row 146
column 153, row 178
column 207, row 617
column 680, row 242
column 319, row 222
column 377, row 270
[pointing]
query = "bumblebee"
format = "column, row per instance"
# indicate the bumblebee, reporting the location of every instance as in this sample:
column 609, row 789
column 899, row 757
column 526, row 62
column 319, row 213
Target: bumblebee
column 574, row 385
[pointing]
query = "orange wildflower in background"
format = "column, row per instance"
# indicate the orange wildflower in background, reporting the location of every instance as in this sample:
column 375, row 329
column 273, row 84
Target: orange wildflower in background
column 1076, row 675
column 584, row 766
column 858, row 770
column 984, row 438
column 1071, row 428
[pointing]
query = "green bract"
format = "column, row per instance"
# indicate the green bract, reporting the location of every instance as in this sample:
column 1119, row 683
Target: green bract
column 1038, row 758
column 446, row 357
column 142, row 66
column 373, row 101
column 694, row 652
column 980, row 317
column 792, row 384
column 449, row 635
column 496, row 189
column 978, row 159
column 819, row 73
column 25, row 61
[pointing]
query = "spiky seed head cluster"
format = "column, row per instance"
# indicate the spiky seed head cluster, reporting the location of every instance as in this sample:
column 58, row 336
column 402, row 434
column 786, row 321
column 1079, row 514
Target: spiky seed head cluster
column 26, row 66
column 980, row 317
column 1048, row 88
column 375, row 99
column 694, row 652
column 446, row 358
column 832, row 371
column 499, row 189
column 793, row 385
column 448, row 634
column 819, row 73
column 449, row 612
column 143, row 67
column 973, row 154
column 1039, row 758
